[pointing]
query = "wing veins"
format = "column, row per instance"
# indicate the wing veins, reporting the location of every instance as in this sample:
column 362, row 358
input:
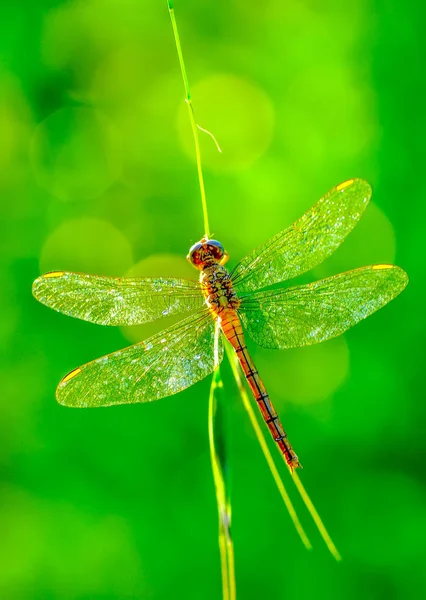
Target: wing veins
column 307, row 242
column 308, row 314
column 201, row 320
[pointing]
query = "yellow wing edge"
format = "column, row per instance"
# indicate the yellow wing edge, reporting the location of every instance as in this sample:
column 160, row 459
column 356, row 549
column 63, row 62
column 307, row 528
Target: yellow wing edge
column 70, row 375
column 52, row 274
column 344, row 185
column 381, row 267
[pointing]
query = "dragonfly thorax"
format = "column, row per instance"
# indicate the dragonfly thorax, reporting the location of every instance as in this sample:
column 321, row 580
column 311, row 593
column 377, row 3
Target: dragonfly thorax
column 218, row 289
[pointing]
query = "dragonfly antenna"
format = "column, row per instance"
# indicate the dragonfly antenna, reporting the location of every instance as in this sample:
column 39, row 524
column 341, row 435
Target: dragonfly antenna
column 191, row 118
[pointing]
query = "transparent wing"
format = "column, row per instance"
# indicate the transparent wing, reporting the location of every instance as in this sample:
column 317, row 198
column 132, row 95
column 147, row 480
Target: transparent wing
column 162, row 365
column 307, row 242
column 114, row 300
column 309, row 314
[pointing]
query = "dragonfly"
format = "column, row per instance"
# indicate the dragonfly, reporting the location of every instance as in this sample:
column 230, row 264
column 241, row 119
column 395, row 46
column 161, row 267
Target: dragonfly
column 236, row 302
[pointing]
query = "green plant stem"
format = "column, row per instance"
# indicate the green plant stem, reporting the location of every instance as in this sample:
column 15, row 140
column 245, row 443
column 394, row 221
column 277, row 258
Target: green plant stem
column 299, row 485
column 191, row 118
column 218, row 460
column 263, row 444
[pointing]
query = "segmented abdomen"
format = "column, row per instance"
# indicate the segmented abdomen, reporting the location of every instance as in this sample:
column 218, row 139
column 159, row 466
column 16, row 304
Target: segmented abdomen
column 232, row 329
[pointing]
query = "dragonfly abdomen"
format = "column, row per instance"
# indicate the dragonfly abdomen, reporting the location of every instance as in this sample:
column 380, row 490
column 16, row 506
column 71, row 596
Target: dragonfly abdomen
column 232, row 329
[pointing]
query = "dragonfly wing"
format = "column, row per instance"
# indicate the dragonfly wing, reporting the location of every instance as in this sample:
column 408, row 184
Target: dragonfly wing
column 307, row 242
column 162, row 365
column 115, row 300
column 309, row 314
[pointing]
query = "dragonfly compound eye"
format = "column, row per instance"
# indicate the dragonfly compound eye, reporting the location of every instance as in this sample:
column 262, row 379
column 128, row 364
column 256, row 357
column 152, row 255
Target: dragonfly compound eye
column 205, row 252
column 195, row 255
column 215, row 249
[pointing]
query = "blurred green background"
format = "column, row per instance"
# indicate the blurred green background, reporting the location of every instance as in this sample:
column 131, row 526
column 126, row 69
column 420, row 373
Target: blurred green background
column 97, row 175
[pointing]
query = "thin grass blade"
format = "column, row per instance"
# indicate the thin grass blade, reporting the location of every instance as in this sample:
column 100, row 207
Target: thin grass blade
column 263, row 444
column 218, row 455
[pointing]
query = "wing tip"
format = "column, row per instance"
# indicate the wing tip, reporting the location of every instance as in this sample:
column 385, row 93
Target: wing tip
column 388, row 266
column 404, row 279
column 400, row 277
column 61, row 399
column 34, row 287
column 359, row 183
column 41, row 279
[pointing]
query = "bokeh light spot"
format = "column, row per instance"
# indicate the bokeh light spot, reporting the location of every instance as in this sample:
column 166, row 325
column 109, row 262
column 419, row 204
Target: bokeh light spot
column 163, row 265
column 239, row 114
column 87, row 245
column 76, row 153
column 143, row 113
column 15, row 127
column 307, row 375
column 328, row 118
column 371, row 242
column 266, row 200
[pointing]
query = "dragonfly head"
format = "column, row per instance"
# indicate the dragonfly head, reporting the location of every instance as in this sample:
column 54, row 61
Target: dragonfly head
column 206, row 252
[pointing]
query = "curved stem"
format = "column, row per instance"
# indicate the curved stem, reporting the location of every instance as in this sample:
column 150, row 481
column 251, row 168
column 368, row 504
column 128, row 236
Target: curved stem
column 233, row 360
column 217, row 406
column 191, row 118
column 299, row 485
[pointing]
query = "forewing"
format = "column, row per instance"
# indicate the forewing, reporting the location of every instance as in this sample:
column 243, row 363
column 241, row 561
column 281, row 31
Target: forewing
column 162, row 365
column 114, row 300
column 309, row 314
column 307, row 242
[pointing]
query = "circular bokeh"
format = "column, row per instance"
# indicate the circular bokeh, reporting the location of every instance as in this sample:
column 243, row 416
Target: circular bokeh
column 310, row 374
column 86, row 245
column 76, row 153
column 238, row 113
